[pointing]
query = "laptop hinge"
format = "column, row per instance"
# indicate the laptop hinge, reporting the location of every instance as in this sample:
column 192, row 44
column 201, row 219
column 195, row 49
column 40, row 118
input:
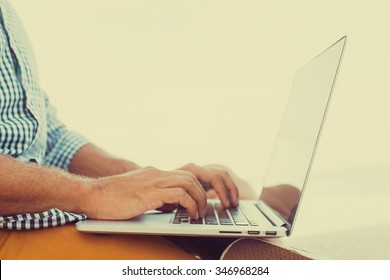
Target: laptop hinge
column 274, row 218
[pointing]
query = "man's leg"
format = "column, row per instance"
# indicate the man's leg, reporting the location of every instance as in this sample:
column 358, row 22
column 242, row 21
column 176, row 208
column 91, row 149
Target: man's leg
column 64, row 243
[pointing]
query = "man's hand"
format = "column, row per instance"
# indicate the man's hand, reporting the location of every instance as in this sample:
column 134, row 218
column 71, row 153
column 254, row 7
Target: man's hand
column 131, row 194
column 218, row 180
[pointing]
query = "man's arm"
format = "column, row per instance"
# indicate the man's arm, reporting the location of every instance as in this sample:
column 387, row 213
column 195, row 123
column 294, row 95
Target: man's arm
column 91, row 161
column 30, row 188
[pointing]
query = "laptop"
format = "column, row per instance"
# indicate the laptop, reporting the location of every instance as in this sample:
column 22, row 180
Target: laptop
column 275, row 212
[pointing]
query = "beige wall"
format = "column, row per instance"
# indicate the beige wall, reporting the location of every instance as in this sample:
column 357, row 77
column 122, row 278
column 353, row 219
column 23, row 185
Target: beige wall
column 168, row 82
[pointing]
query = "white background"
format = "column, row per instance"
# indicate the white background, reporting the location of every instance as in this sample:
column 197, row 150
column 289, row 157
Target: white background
column 164, row 83
column 321, row 270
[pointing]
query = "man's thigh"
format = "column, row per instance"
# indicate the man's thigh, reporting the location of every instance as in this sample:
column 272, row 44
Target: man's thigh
column 67, row 243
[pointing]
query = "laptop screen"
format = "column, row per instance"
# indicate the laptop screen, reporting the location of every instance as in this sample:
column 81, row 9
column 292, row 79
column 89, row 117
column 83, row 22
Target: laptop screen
column 300, row 131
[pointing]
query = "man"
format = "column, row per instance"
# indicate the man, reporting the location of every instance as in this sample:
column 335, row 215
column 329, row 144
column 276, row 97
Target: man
column 50, row 176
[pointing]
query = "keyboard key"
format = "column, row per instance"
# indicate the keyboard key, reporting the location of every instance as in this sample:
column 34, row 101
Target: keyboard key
column 211, row 222
column 242, row 224
column 226, row 222
column 197, row 221
column 181, row 213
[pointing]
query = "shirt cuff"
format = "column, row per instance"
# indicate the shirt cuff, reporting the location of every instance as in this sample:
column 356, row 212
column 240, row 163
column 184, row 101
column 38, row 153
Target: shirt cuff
column 65, row 149
column 51, row 218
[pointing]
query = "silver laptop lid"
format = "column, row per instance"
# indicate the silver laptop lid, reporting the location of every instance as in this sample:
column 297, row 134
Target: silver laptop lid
column 299, row 133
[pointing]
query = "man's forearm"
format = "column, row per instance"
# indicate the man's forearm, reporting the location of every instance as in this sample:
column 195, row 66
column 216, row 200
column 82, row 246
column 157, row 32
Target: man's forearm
column 30, row 188
column 93, row 162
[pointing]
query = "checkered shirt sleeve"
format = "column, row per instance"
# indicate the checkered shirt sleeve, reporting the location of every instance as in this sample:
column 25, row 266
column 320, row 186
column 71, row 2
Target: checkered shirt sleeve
column 62, row 144
column 51, row 218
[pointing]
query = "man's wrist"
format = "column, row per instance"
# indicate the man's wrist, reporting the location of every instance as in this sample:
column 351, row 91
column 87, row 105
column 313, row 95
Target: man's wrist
column 81, row 193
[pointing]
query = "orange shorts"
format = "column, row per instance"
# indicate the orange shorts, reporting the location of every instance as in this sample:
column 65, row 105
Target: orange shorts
column 66, row 243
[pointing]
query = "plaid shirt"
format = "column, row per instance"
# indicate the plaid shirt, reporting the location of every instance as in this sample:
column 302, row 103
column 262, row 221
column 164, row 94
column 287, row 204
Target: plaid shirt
column 29, row 128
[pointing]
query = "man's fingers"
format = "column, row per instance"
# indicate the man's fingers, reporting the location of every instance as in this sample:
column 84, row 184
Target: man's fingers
column 180, row 196
column 196, row 191
column 213, row 179
column 231, row 187
column 220, row 188
column 188, row 182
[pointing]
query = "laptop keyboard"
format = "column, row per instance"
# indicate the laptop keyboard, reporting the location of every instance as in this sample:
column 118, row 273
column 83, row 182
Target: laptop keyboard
column 216, row 215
